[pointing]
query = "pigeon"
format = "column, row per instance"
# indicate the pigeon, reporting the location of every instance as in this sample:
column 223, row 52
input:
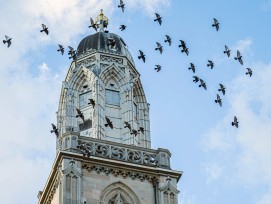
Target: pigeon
column 222, row 88
column 72, row 53
column 91, row 102
column 196, row 79
column 134, row 132
column 185, row 49
column 45, row 29
column 227, row 51
column 239, row 57
column 235, row 122
column 158, row 18
column 111, row 42
column 8, row 40
column 109, row 123
column 192, row 66
column 210, row 64
column 218, row 100
column 122, row 27
column 93, row 25
column 158, row 68
column 55, row 130
column 61, row 49
column 168, row 40
column 127, row 125
column 141, row 56
column 216, row 24
column 183, row 44
column 80, row 114
column 249, row 71
column 159, row 47
column 141, row 129
column 203, row 84
column 121, row 5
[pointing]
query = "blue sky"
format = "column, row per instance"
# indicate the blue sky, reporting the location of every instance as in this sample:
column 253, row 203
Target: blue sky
column 221, row 164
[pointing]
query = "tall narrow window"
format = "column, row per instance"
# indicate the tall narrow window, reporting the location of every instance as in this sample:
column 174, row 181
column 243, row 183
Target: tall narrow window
column 112, row 97
column 135, row 110
column 84, row 99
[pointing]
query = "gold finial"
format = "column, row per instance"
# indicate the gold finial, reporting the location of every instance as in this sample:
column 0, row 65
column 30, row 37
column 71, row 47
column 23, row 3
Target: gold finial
column 102, row 21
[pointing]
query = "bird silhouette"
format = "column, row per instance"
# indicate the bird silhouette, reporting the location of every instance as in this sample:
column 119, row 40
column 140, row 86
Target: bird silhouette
column 121, row 5
column 141, row 56
column 168, row 40
column 8, row 40
column 134, row 132
column 61, row 49
column 55, row 130
column 141, row 129
column 227, row 51
column 235, row 122
column 72, row 53
column 203, row 84
column 108, row 123
column 91, row 102
column 122, row 27
column 111, row 42
column 249, row 72
column 218, row 100
column 80, row 114
column 44, row 29
column 127, row 125
column 93, row 25
column 158, row 18
column 216, row 24
column 158, row 68
column 192, row 67
column 184, row 48
column 239, row 57
column 210, row 64
column 196, row 79
column 222, row 89
column 159, row 47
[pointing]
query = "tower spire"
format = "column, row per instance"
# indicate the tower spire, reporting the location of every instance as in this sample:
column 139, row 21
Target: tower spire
column 102, row 21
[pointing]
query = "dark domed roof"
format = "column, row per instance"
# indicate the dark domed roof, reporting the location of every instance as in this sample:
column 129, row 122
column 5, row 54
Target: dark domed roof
column 99, row 42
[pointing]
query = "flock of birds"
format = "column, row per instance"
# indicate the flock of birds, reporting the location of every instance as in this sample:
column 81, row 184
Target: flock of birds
column 112, row 43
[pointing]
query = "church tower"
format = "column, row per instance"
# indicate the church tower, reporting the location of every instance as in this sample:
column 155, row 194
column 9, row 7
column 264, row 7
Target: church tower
column 103, row 144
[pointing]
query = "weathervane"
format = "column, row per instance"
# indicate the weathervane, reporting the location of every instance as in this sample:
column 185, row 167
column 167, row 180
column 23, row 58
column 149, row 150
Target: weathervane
column 102, row 21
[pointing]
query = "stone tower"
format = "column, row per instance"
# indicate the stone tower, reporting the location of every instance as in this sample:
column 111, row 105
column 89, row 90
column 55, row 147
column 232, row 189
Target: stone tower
column 103, row 147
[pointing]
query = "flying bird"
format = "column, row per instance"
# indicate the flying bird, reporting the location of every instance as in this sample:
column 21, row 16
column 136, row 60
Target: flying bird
column 158, row 18
column 108, row 123
column 122, row 27
column 203, row 84
column 141, row 129
column 159, row 47
column 183, row 44
column 111, row 42
column 158, row 68
column 249, row 71
column 55, row 130
column 218, row 100
column 72, row 53
column 91, row 102
column 80, row 114
column 216, row 24
column 192, row 67
column 141, row 56
column 210, row 64
column 44, row 29
column 227, row 51
column 61, row 49
column 93, row 25
column 127, row 125
column 196, row 79
column 168, row 40
column 184, row 48
column 134, row 132
column 8, row 40
column 121, row 5
column 222, row 89
column 239, row 57
column 235, row 122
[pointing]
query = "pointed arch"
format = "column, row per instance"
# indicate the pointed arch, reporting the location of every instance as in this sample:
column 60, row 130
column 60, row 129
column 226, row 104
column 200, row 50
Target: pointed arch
column 118, row 189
